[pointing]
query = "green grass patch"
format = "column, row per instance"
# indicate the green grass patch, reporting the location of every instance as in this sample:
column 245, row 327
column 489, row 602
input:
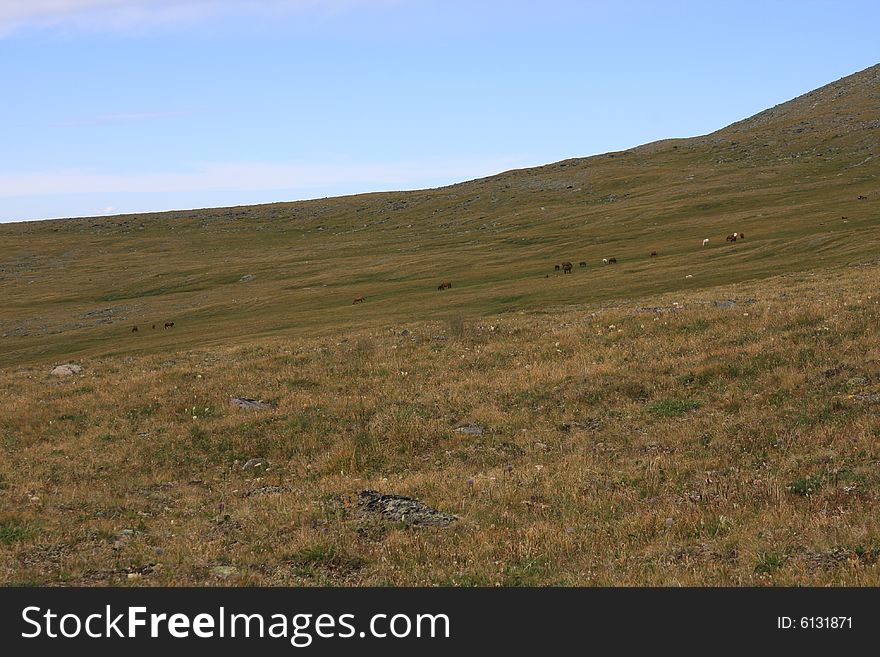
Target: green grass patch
column 769, row 562
column 805, row 486
column 673, row 407
column 324, row 557
column 12, row 531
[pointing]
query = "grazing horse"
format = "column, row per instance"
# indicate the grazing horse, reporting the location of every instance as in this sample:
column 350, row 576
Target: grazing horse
column 706, row 242
column 566, row 267
column 741, row 236
column 169, row 325
column 134, row 329
column 653, row 254
column 583, row 264
column 444, row 286
column 611, row 261
column 862, row 197
column 730, row 238
column 359, row 299
column 557, row 268
column 154, row 326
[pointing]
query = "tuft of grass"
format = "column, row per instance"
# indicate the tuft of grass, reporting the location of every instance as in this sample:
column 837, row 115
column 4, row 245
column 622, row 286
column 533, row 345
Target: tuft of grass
column 324, row 557
column 805, row 486
column 527, row 572
column 696, row 327
column 456, row 326
column 673, row 407
column 11, row 531
column 769, row 562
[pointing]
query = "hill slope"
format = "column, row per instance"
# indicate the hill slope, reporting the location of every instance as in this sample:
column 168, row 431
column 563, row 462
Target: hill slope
column 784, row 177
column 704, row 417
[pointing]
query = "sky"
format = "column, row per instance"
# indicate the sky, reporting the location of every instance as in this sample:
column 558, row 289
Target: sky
column 117, row 106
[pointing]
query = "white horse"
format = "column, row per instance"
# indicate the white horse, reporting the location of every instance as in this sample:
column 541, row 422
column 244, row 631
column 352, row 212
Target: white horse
column 706, row 242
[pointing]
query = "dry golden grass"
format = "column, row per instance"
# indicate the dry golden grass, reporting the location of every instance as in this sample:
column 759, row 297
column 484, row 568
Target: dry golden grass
column 635, row 431
column 662, row 441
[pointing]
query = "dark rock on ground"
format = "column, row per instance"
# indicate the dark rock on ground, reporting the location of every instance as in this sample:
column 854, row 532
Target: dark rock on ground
column 249, row 404
column 397, row 508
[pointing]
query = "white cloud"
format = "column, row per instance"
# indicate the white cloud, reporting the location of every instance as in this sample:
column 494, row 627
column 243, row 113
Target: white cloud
column 253, row 176
column 129, row 14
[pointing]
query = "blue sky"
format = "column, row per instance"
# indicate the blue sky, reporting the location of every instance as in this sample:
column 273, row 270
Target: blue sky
column 112, row 106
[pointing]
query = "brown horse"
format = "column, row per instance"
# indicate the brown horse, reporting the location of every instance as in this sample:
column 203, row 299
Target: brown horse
column 862, row 197
column 730, row 238
column 566, row 267
column 611, row 261
column 357, row 300
column 741, row 236
column 134, row 329
column 583, row 264
column 444, row 286
column 557, row 268
column 169, row 325
column 653, row 254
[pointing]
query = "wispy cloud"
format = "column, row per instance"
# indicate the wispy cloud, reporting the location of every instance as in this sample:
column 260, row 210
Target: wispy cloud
column 130, row 14
column 254, row 176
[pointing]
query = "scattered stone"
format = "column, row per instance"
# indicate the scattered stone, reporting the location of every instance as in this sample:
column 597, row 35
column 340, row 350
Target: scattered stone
column 250, row 404
column 470, row 430
column 589, row 424
column 668, row 523
column 255, row 463
column 246, row 278
column 397, row 508
column 729, row 303
column 267, row 490
column 224, row 572
column 857, row 381
column 123, row 537
column 826, row 559
column 404, row 333
column 870, row 397
column 68, row 369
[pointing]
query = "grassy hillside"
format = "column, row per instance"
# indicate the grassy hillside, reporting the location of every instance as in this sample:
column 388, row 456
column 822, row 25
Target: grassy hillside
column 785, row 178
column 690, row 441
column 708, row 416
